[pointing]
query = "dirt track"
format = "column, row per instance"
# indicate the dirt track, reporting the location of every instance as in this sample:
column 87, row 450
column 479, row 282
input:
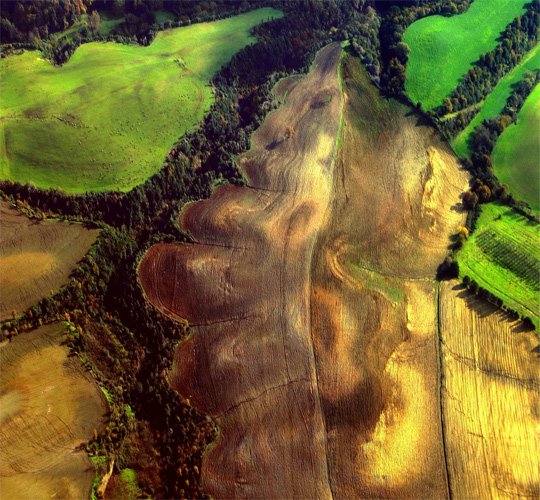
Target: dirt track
column 48, row 406
column 314, row 303
column 36, row 257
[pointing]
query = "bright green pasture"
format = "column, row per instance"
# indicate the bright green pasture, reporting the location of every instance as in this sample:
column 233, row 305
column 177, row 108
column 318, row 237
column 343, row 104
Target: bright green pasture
column 496, row 101
column 107, row 118
column 503, row 256
column 516, row 157
column 443, row 49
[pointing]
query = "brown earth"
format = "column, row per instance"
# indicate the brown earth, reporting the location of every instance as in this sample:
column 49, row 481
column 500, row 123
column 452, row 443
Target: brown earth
column 313, row 298
column 36, row 258
column 250, row 363
column 491, row 402
column 49, row 405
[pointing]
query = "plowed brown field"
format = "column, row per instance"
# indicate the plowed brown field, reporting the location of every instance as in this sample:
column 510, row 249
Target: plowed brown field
column 251, row 363
column 313, row 298
column 36, row 257
column 491, row 399
column 48, row 406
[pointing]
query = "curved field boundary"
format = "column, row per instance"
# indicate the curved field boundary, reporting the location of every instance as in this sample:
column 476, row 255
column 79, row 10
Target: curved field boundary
column 36, row 258
column 318, row 392
column 77, row 129
column 496, row 101
column 516, row 157
column 443, row 49
column 49, row 406
column 250, row 362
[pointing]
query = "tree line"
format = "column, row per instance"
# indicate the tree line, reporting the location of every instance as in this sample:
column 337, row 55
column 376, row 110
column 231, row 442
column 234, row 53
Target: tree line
column 519, row 37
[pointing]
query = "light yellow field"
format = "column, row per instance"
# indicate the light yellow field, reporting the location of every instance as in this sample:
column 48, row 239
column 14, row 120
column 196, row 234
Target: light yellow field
column 49, row 405
column 491, row 384
column 36, row 258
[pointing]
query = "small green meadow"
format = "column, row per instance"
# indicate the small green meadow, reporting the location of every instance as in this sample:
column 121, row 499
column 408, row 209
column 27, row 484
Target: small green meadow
column 107, row 118
column 516, row 157
column 443, row 49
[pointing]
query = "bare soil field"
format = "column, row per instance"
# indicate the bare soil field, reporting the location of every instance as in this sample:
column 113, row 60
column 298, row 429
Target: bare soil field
column 491, row 387
column 36, row 257
column 250, row 363
column 49, row 405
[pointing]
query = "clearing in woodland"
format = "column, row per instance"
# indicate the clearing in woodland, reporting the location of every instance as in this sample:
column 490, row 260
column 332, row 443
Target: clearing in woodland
column 36, row 258
column 106, row 119
column 443, row 49
column 49, row 406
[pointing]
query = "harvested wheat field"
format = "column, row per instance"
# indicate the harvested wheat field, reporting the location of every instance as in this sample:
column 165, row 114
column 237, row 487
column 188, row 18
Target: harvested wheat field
column 373, row 315
column 312, row 297
column 36, row 258
column 49, row 405
column 491, row 384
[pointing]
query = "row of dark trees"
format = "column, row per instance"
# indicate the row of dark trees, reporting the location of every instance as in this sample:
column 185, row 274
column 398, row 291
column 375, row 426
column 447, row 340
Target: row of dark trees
column 519, row 37
column 479, row 291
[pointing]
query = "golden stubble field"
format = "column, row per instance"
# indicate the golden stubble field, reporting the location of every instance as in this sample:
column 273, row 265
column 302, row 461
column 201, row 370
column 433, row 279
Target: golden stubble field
column 36, row 258
column 491, row 387
column 49, row 406
column 395, row 203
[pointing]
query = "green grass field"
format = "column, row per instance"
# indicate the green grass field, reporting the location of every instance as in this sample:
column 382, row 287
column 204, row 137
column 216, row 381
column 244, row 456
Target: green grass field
column 443, row 49
column 516, row 154
column 495, row 102
column 503, row 256
column 107, row 118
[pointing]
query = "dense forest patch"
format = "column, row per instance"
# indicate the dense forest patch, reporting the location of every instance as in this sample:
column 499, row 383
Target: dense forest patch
column 515, row 157
column 53, row 248
column 442, row 49
column 503, row 257
column 106, row 119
